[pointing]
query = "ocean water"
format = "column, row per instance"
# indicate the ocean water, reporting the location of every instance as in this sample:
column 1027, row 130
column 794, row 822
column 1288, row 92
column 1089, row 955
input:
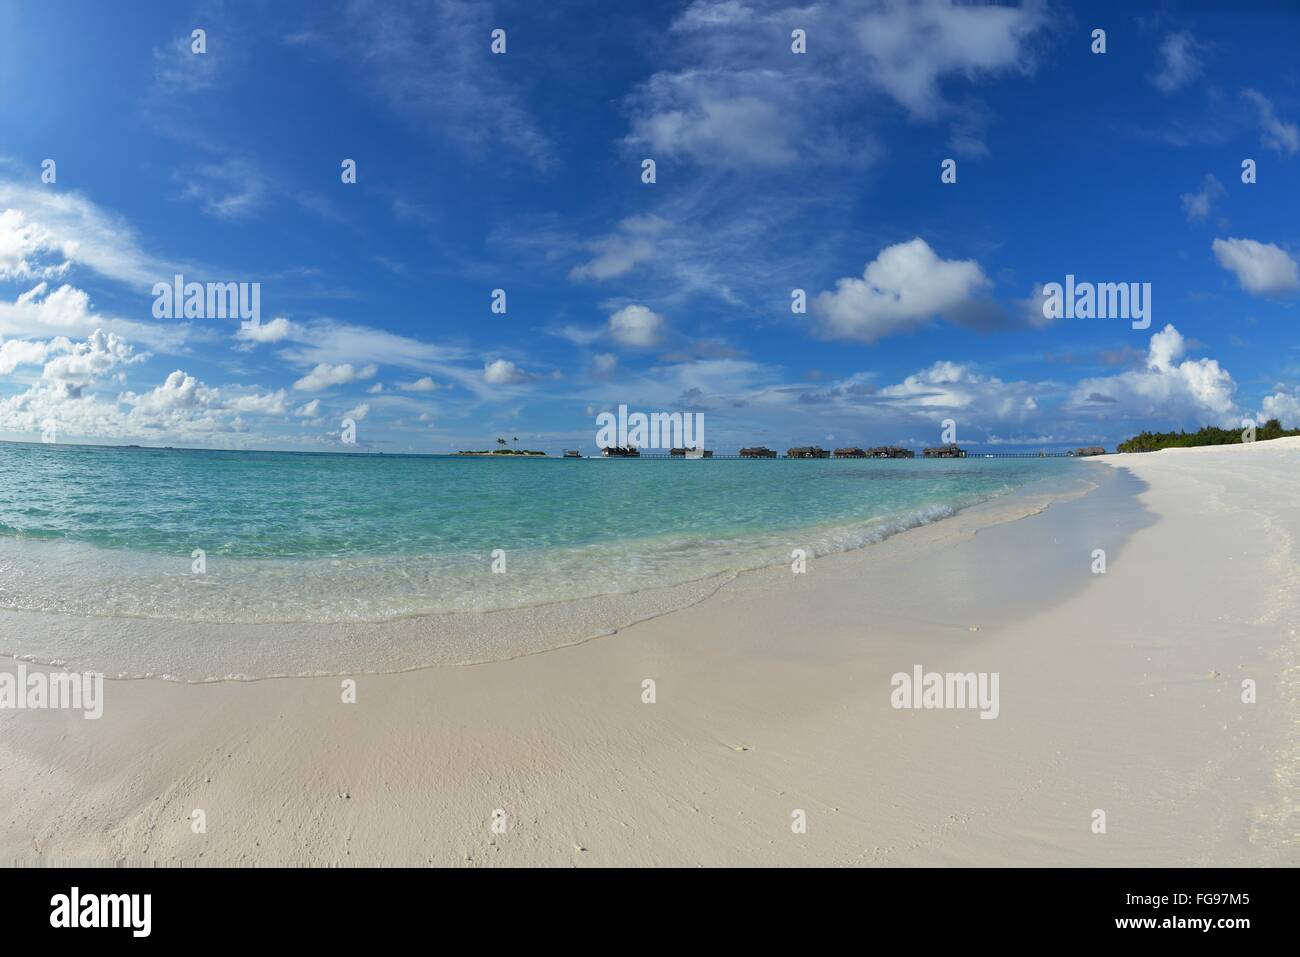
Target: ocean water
column 111, row 532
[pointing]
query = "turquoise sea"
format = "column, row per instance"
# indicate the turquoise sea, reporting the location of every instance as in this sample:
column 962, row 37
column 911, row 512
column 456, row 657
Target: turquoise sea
column 286, row 537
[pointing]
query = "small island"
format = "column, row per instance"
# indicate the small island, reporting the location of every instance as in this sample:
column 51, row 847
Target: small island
column 504, row 452
column 504, row 449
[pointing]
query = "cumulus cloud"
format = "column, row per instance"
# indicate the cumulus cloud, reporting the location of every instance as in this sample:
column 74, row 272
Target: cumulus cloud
column 86, row 362
column 358, row 412
column 276, row 330
column 73, row 396
column 1180, row 62
column 1170, row 387
column 503, row 372
column 308, row 410
column 912, row 46
column 903, row 287
column 272, row 403
column 67, row 311
column 18, row 352
column 24, row 245
column 956, row 386
column 179, row 390
column 1262, row 269
column 326, row 376
column 1281, row 405
column 636, row 326
column 422, row 384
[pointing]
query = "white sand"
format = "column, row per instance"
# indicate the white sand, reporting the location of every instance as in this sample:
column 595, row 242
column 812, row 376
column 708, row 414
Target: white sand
column 1119, row 692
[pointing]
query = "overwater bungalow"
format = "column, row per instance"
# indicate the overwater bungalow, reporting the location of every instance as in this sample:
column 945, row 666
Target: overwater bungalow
column 850, row 453
column 890, row 452
column 949, row 451
column 807, row 452
column 572, row 454
column 1090, row 450
column 757, row 452
column 692, row 453
column 621, row 452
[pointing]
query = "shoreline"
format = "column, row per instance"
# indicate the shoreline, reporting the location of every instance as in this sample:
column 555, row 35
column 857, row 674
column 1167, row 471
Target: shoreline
column 1118, row 692
column 473, row 637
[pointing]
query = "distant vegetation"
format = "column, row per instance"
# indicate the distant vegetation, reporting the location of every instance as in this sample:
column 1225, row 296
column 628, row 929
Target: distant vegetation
column 503, row 452
column 1209, row 435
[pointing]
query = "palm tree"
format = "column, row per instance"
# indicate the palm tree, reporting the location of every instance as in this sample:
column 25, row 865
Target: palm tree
column 516, row 441
column 501, row 442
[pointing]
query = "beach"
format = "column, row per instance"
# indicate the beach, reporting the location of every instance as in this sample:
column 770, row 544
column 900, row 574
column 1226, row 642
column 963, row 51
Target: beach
column 768, row 735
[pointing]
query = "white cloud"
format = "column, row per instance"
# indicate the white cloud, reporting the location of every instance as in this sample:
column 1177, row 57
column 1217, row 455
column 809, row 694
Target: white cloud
column 277, row 330
column 17, row 352
column 579, row 336
column 422, row 384
column 66, row 311
column 603, row 364
column 23, row 244
column 74, row 395
column 618, row 253
column 1197, row 205
column 900, row 289
column 82, row 232
column 308, row 410
column 325, row 376
column 1274, row 132
column 1284, row 406
column 273, row 403
column 957, row 387
column 636, row 326
column 503, row 372
column 1191, row 390
column 1261, row 268
column 179, row 391
column 726, row 118
column 912, row 46
column 726, row 101
column 358, row 413
column 87, row 362
column 723, row 100
column 1180, row 62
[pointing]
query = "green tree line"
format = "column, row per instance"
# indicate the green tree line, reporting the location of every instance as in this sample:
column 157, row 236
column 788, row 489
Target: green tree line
column 1208, row 435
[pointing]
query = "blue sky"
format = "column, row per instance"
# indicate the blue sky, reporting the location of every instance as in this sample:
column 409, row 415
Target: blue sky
column 522, row 171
